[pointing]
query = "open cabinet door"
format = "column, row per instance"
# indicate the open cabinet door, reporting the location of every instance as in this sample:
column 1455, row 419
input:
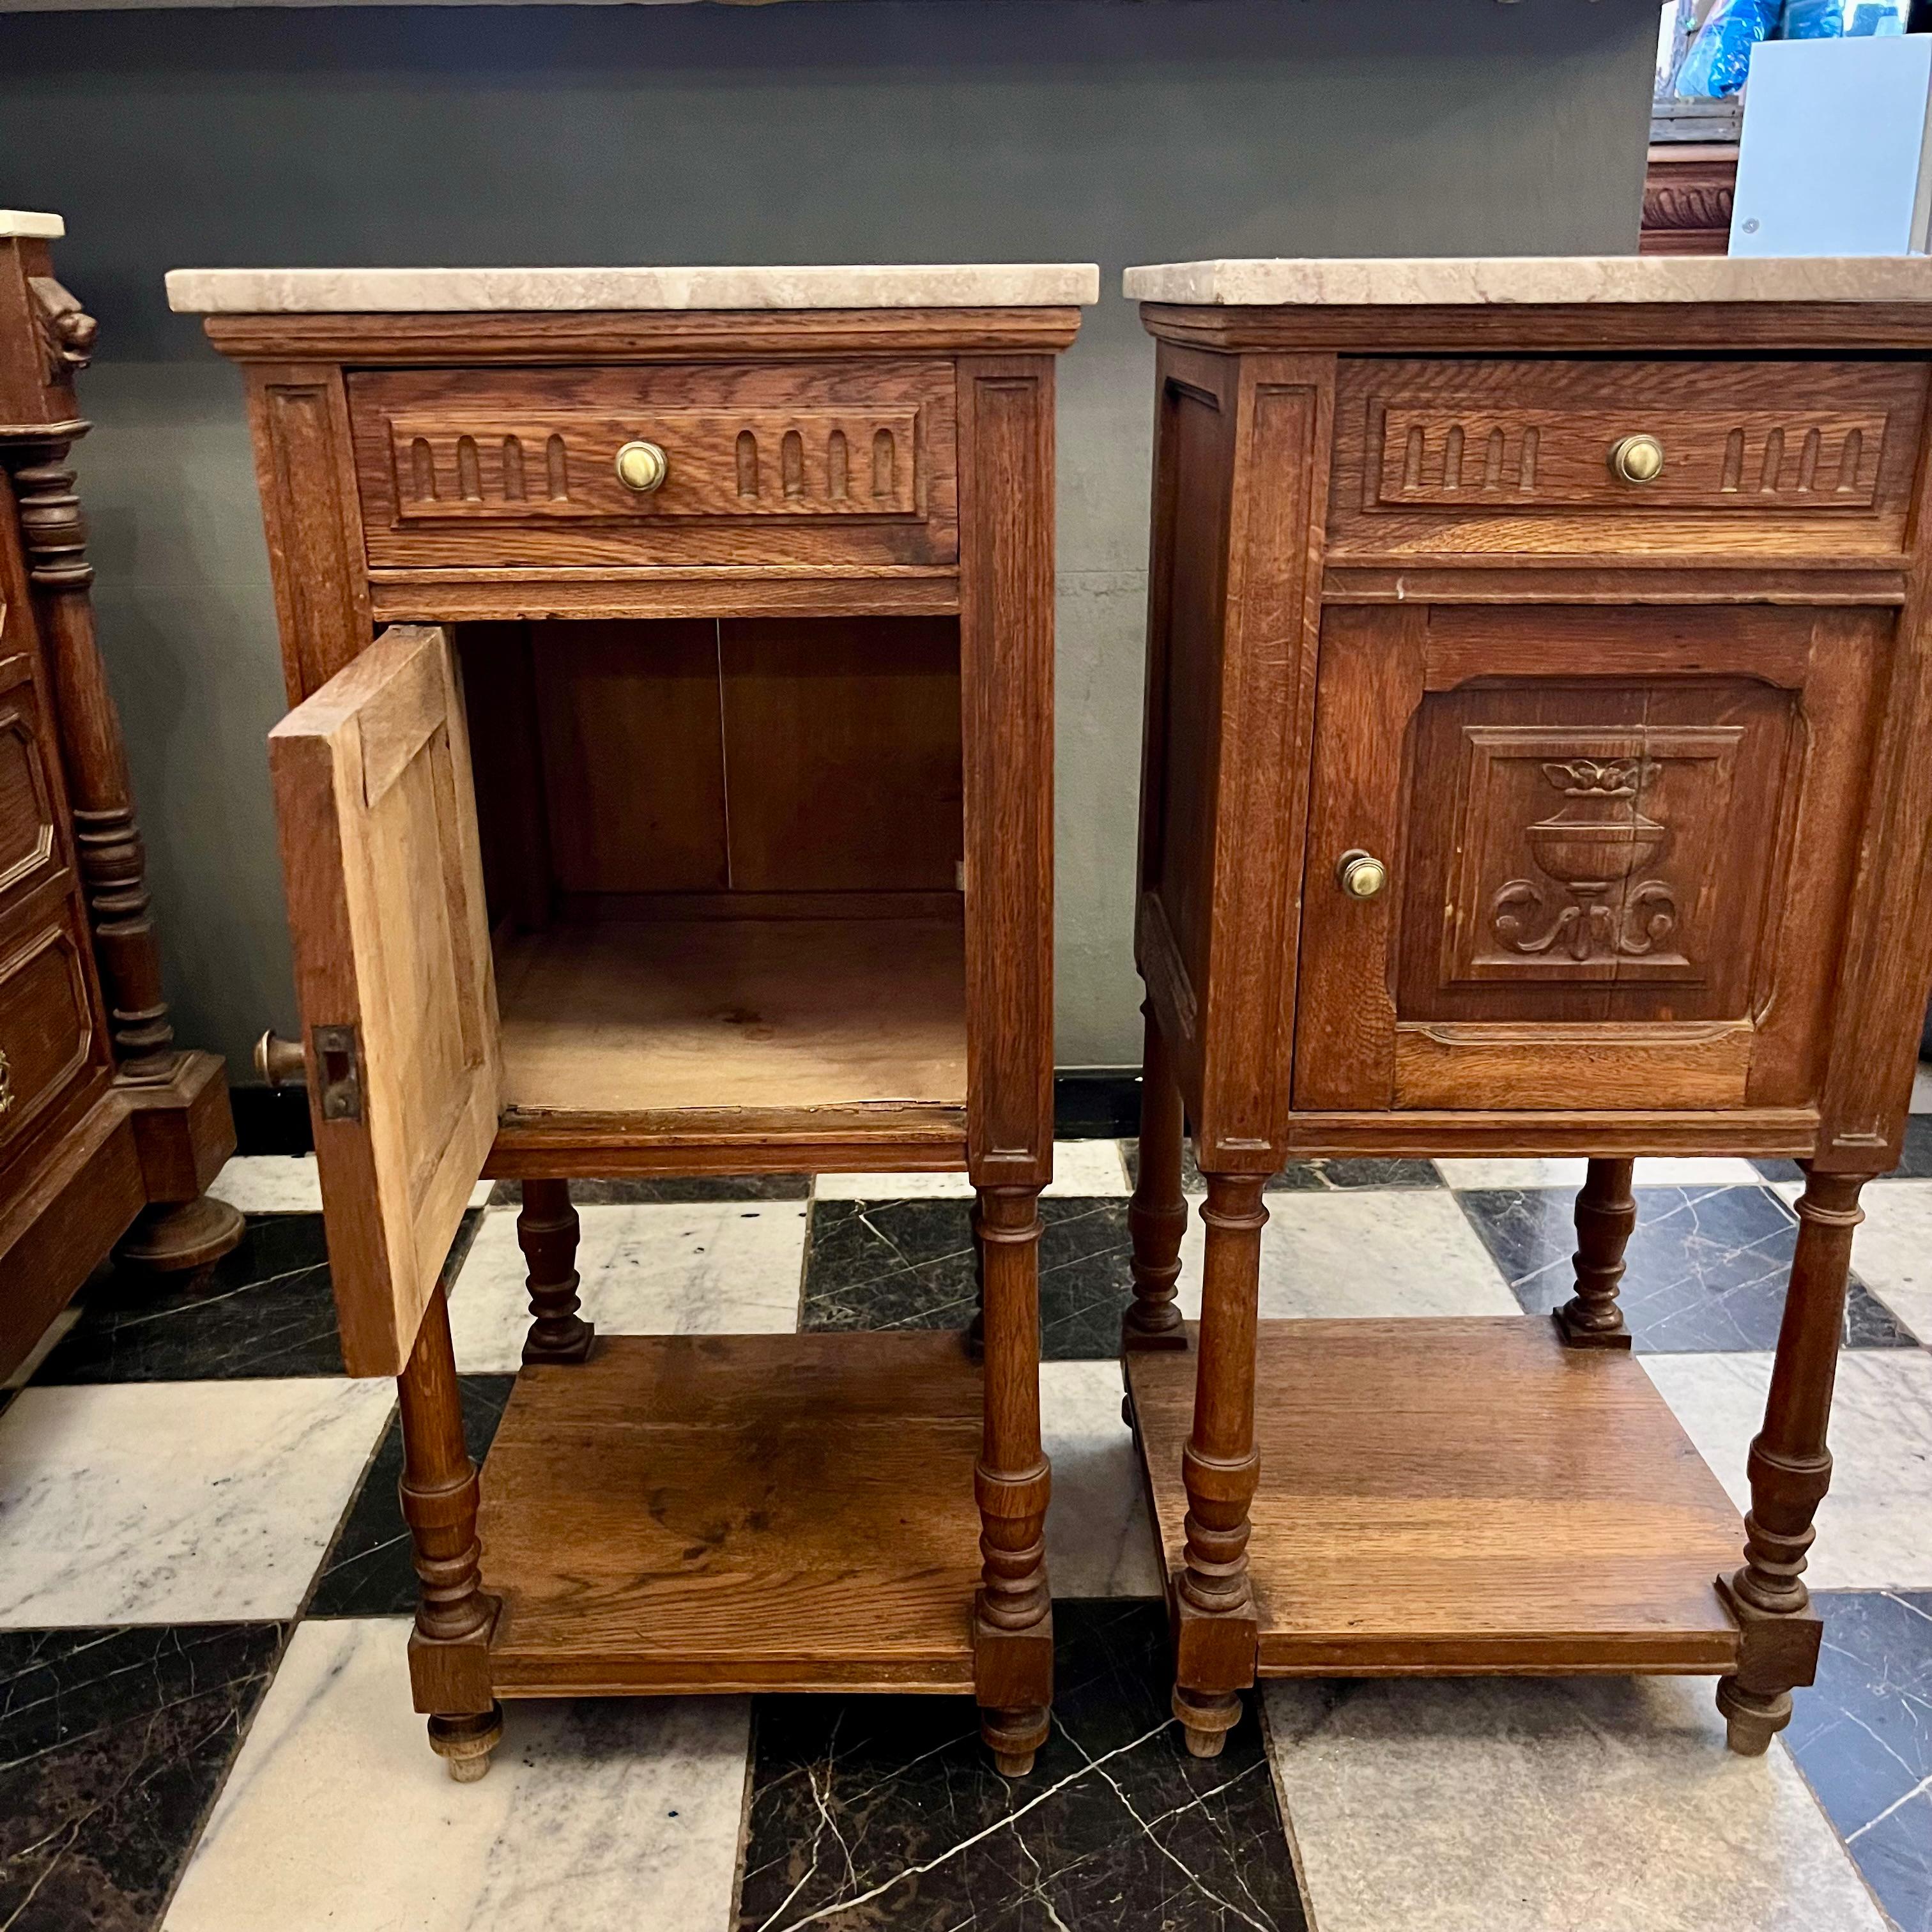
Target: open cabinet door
column 393, row 972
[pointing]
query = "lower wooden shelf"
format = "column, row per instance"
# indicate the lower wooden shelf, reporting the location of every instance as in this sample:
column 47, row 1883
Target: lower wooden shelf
column 737, row 1513
column 1461, row 1496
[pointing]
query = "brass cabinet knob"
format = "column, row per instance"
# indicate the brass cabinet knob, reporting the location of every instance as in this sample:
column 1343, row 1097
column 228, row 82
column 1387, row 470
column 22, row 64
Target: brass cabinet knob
column 1637, row 459
column 1360, row 874
column 281, row 1063
column 642, row 466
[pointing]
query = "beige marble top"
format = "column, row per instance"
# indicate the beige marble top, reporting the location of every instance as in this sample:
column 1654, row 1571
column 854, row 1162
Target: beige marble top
column 36, row 227
column 1399, row 282
column 412, row 291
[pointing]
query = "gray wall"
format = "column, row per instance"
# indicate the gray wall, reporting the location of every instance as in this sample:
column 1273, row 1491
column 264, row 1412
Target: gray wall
column 899, row 130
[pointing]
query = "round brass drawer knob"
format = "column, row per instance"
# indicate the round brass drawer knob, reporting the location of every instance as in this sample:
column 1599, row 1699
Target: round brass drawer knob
column 1360, row 874
column 642, row 466
column 1637, row 459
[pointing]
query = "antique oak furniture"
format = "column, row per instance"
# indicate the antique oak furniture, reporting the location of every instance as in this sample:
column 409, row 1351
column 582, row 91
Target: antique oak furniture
column 1538, row 694
column 109, row 1132
column 668, row 790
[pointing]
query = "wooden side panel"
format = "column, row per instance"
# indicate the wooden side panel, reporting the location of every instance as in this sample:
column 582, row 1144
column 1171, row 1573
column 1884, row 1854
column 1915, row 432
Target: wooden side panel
column 1006, row 673
column 842, row 757
column 306, row 474
column 1194, row 442
column 1886, row 963
column 1273, row 620
column 377, row 810
column 633, row 760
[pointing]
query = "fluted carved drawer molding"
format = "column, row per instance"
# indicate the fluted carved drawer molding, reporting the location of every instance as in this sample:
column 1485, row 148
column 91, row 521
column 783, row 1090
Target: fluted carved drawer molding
column 1499, row 457
column 818, row 467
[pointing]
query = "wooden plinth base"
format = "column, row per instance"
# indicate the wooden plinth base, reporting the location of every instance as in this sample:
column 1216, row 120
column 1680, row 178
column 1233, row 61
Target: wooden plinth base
column 1461, row 1496
column 743, row 1513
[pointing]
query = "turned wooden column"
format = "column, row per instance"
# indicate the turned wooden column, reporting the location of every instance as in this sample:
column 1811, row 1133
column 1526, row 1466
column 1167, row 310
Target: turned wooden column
column 547, row 1230
column 449, row 1669
column 108, row 854
column 1013, row 1625
column 1790, row 1469
column 1157, row 1214
column 1605, row 1216
column 1217, row 1627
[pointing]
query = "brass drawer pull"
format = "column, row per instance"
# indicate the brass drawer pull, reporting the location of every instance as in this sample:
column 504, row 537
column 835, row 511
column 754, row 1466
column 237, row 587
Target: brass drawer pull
column 6, row 1082
column 1360, row 874
column 642, row 466
column 1637, row 459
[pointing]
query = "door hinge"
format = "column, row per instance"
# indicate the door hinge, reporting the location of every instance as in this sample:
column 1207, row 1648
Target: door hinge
column 338, row 1063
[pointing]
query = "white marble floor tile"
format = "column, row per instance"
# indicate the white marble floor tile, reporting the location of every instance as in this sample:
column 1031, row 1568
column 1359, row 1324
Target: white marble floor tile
column 1872, row 1526
column 284, row 1183
column 1659, row 1172
column 1089, row 1168
column 1892, row 1252
column 1367, row 1252
column 594, row 1814
column 1499, row 1805
column 711, row 1268
column 1099, row 1540
column 175, row 1502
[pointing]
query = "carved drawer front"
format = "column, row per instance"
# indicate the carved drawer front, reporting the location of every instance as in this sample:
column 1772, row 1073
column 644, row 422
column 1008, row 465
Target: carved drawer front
column 46, row 1030
column 30, row 845
column 1618, row 844
column 1760, row 459
column 826, row 464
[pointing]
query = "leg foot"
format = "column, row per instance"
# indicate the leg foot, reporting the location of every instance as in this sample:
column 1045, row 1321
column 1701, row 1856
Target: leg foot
column 1605, row 1215
column 1206, row 1717
column 181, row 1238
column 1013, row 1737
column 464, row 1743
column 1751, row 1720
column 547, row 1229
column 1157, row 1215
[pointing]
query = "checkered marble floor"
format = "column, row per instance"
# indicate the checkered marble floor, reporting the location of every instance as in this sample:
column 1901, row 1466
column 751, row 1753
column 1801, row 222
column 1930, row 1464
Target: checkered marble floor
column 204, row 1589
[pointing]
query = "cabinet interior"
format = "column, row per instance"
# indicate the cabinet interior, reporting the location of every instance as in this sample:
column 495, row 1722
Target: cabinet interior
column 722, row 860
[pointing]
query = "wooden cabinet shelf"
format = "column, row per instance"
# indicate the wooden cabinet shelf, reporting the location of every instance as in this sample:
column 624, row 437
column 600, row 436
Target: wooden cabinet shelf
column 1461, row 1496
column 738, row 1513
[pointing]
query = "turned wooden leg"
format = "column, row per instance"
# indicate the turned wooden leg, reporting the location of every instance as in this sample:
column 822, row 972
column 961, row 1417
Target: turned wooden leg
column 1790, row 1470
column 547, row 1233
column 1157, row 1215
column 449, row 1648
column 1013, row 1621
column 1605, row 1214
column 1215, row 1628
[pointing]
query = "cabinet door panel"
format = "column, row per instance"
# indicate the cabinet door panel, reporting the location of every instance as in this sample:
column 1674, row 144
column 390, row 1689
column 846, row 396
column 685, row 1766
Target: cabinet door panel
column 1612, row 854
column 378, row 814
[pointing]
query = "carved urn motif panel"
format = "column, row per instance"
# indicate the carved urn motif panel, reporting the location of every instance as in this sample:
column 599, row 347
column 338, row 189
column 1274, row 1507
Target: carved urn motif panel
column 1596, row 859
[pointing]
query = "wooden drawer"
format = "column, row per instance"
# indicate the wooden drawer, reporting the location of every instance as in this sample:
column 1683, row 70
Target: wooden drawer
column 1761, row 459
column 47, row 1039
column 846, row 464
column 30, row 846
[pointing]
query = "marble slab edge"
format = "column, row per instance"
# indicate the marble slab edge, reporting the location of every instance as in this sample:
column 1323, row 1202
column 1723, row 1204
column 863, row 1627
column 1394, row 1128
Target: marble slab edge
column 1449, row 280
column 26, row 224
column 418, row 291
